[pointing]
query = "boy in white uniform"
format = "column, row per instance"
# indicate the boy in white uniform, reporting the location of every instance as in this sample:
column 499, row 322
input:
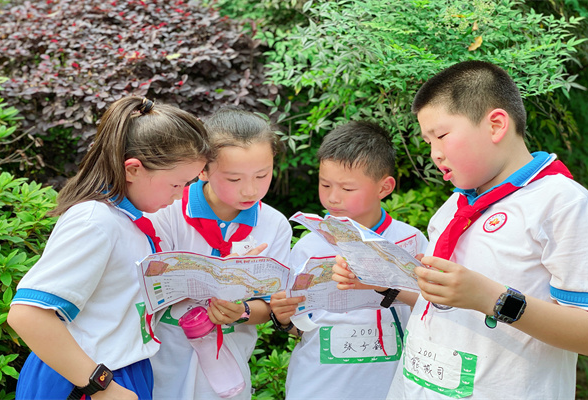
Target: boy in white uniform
column 356, row 167
column 477, row 337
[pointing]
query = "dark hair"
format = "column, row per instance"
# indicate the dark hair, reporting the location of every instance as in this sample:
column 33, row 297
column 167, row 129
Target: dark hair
column 360, row 144
column 158, row 135
column 472, row 89
column 231, row 126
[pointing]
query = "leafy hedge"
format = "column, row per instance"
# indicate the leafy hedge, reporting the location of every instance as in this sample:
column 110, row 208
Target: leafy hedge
column 68, row 59
column 366, row 60
column 24, row 230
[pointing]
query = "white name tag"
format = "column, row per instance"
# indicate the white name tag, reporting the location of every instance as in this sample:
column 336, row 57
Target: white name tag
column 357, row 344
column 441, row 369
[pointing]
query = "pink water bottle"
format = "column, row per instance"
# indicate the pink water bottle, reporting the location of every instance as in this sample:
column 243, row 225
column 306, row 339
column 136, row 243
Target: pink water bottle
column 223, row 374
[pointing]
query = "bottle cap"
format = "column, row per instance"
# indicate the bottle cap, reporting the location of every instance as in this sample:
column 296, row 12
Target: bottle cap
column 196, row 323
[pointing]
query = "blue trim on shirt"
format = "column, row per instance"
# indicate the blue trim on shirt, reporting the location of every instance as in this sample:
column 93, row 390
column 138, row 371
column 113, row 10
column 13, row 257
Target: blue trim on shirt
column 47, row 300
column 198, row 207
column 133, row 213
column 380, row 222
column 519, row 178
column 128, row 208
column 579, row 299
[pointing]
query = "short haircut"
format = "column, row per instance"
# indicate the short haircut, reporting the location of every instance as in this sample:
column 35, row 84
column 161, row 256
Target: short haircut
column 472, row 89
column 360, row 144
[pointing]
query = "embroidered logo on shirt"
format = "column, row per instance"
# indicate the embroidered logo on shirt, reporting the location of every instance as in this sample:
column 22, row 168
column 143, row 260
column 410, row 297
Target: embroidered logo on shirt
column 495, row 222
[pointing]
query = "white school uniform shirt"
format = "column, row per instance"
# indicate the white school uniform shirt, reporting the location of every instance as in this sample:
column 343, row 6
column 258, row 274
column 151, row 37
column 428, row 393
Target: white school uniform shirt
column 175, row 367
column 88, row 275
column 341, row 370
column 533, row 240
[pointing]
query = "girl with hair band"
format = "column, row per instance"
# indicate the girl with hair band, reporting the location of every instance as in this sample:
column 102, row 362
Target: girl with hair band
column 79, row 308
column 219, row 212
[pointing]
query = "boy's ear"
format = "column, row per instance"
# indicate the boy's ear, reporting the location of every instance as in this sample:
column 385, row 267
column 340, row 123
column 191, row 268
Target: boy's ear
column 133, row 168
column 387, row 185
column 499, row 123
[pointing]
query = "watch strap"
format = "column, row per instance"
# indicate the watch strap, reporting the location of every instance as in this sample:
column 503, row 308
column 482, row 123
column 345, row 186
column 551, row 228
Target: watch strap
column 101, row 374
column 75, row 394
column 500, row 303
column 389, row 297
column 244, row 317
column 278, row 325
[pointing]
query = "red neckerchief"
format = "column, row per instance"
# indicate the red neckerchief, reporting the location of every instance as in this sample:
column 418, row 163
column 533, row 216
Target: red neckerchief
column 146, row 226
column 467, row 214
column 210, row 230
column 383, row 226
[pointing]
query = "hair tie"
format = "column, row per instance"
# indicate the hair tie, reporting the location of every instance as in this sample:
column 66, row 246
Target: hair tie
column 146, row 106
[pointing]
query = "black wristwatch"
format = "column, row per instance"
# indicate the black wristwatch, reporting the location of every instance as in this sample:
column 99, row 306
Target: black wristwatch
column 278, row 325
column 99, row 380
column 389, row 297
column 510, row 306
column 244, row 317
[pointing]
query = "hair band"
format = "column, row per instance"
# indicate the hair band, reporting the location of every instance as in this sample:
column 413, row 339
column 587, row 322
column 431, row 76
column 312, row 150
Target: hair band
column 146, row 106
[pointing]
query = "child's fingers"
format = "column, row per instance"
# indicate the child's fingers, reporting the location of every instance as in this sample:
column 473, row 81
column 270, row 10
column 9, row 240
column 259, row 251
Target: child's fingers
column 345, row 286
column 225, row 311
column 440, row 264
column 278, row 296
column 342, row 271
column 256, row 251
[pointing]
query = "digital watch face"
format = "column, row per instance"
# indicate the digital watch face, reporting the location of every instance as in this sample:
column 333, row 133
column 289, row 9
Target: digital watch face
column 102, row 376
column 511, row 307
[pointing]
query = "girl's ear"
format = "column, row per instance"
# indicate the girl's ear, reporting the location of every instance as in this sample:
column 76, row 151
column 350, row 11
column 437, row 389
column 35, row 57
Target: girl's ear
column 387, row 185
column 133, row 169
column 203, row 175
column 499, row 123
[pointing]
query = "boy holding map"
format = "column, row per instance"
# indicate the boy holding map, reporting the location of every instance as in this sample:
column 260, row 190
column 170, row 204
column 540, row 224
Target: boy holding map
column 360, row 347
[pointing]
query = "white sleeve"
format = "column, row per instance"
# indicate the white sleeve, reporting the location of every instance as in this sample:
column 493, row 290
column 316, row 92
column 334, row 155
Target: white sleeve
column 70, row 269
column 565, row 254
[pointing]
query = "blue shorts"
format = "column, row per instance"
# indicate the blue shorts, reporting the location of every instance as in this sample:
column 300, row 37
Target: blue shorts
column 39, row 381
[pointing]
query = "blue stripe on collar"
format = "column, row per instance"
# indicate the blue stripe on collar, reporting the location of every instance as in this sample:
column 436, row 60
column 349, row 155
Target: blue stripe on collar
column 519, row 178
column 198, row 207
column 128, row 208
column 380, row 222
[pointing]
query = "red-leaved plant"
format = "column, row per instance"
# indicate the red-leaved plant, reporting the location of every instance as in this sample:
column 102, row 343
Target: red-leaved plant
column 68, row 59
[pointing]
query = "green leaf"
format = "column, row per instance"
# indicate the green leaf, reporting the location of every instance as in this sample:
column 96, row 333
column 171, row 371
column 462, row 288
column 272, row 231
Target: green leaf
column 6, row 278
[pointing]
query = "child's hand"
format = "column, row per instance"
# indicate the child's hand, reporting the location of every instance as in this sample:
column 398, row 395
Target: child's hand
column 253, row 252
column 347, row 279
column 223, row 312
column 284, row 307
column 454, row 285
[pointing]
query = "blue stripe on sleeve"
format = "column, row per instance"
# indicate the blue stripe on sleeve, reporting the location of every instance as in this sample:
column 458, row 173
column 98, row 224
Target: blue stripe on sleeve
column 579, row 299
column 46, row 300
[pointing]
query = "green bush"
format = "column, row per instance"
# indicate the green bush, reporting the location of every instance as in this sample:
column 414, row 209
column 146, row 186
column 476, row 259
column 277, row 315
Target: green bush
column 269, row 362
column 24, row 230
column 366, row 60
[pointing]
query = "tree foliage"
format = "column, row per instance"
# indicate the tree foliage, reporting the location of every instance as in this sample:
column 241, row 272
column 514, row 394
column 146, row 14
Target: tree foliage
column 358, row 60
